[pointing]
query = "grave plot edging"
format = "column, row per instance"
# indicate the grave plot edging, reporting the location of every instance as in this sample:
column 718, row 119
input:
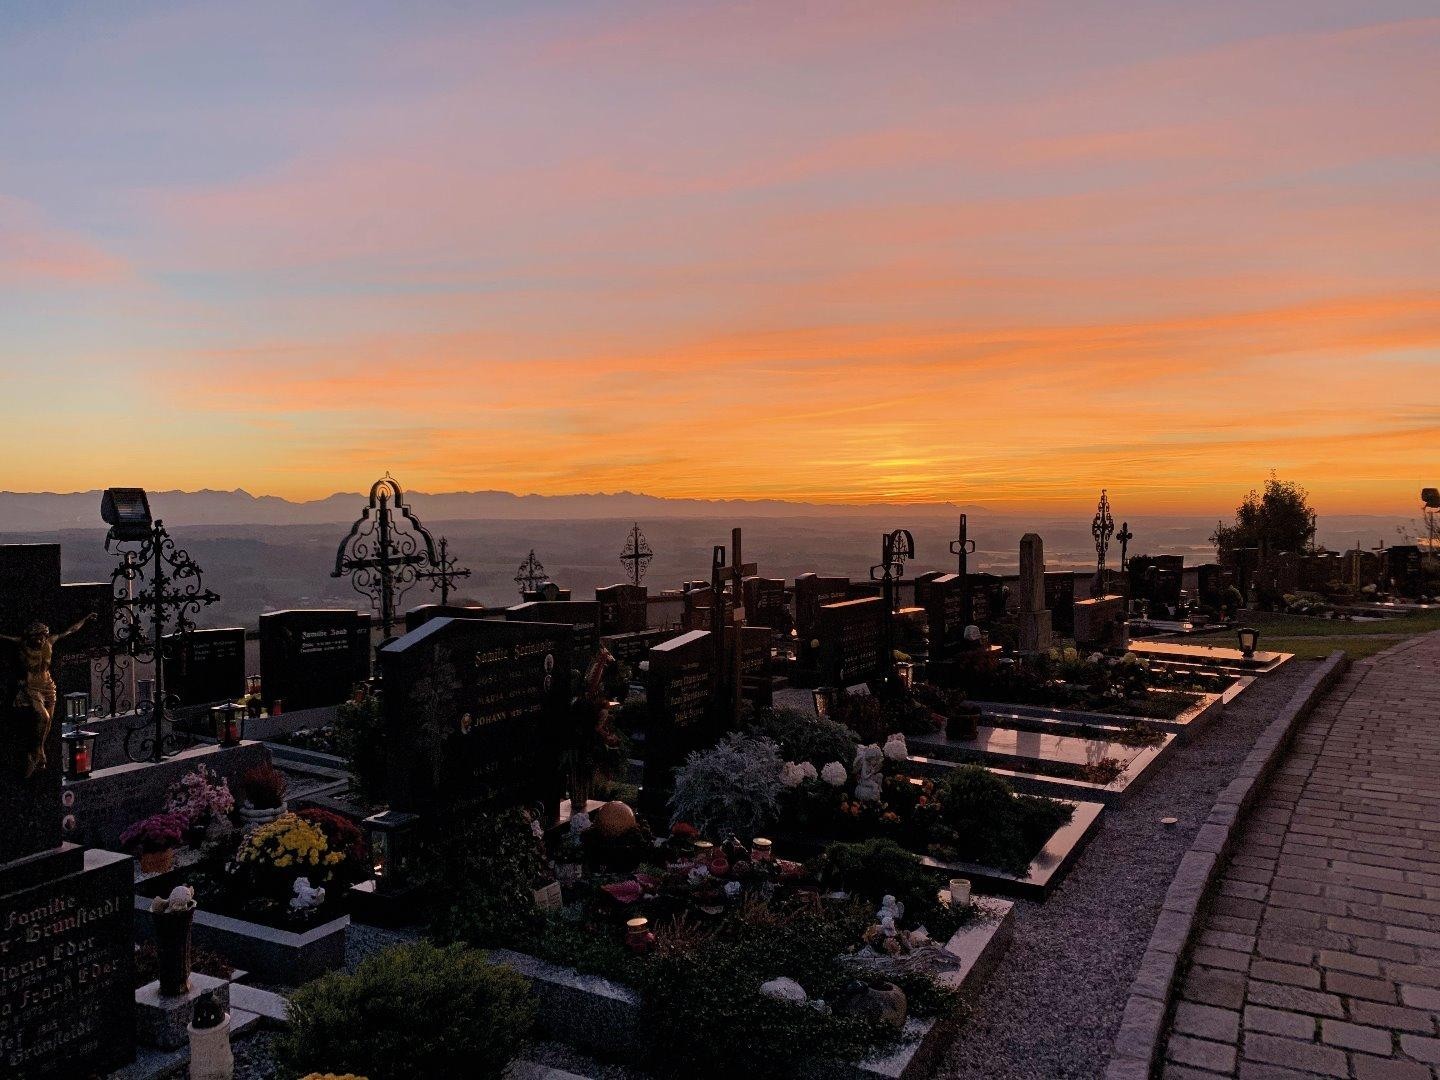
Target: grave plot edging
column 1143, row 1023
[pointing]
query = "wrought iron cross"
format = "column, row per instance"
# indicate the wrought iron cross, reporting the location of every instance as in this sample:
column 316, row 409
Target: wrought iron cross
column 530, row 574
column 637, row 554
column 170, row 592
column 962, row 547
column 381, row 554
column 1102, row 528
column 444, row 574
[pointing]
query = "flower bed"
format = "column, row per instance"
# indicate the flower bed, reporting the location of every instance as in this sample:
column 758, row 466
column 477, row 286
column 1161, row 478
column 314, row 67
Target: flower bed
column 1063, row 679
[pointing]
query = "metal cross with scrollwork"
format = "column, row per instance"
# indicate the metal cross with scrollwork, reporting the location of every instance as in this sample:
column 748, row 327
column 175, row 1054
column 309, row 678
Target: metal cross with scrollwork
column 1102, row 528
column 895, row 548
column 443, row 576
column 530, row 574
column 158, row 582
column 384, row 550
column 637, row 554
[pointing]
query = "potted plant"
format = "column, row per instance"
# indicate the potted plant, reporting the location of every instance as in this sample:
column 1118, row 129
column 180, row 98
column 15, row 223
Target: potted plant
column 262, row 793
column 273, row 857
column 202, row 799
column 154, row 839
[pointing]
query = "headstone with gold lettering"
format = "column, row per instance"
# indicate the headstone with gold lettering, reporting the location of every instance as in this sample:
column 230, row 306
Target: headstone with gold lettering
column 66, row 939
column 680, row 699
column 313, row 658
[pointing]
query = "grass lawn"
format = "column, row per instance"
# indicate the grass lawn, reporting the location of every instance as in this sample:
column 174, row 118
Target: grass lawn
column 1311, row 639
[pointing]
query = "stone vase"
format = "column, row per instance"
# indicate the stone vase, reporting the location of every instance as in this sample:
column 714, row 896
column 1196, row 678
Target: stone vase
column 252, row 816
column 172, row 948
column 210, row 1055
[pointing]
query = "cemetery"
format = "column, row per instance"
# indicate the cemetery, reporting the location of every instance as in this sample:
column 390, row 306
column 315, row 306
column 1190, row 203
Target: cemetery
column 784, row 831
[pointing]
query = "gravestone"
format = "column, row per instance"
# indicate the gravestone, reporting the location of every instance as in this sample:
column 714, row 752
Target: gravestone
column 624, row 609
column 766, row 604
column 1060, row 599
column 1361, row 568
column 812, row 592
column 71, row 666
column 1212, row 584
column 1320, row 571
column 582, row 615
column 852, row 641
column 313, row 658
column 205, row 666
column 630, row 649
column 988, row 593
column 1101, row 623
column 697, row 599
column 66, row 942
column 1034, row 616
column 418, row 616
column 756, row 684
column 1158, row 580
column 942, row 597
column 1404, row 570
column 680, row 712
column 478, row 707
column 545, row 592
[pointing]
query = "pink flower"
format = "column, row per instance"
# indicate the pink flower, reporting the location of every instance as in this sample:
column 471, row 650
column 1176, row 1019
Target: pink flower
column 624, row 892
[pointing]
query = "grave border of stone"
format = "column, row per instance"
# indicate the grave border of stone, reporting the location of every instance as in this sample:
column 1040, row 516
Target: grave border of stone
column 1144, row 1020
column 1137, row 772
column 597, row 1014
column 1205, row 657
column 268, row 953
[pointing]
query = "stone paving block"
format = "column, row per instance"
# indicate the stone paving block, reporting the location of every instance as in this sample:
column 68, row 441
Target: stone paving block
column 1216, row 1056
column 1289, row 974
column 1207, row 1022
column 1373, row 1068
column 1355, row 1037
column 1280, row 1022
column 1421, row 1048
column 1343, row 982
column 1291, row 1053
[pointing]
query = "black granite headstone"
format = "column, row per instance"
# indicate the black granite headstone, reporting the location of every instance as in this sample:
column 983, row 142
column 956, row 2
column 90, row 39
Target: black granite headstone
column 680, row 696
column 313, row 658
column 852, row 641
column 205, row 666
column 943, row 599
column 418, row 616
column 632, row 648
column 624, row 609
column 766, row 604
column 582, row 615
column 72, row 664
column 479, row 707
column 988, row 594
column 1060, row 600
column 812, row 592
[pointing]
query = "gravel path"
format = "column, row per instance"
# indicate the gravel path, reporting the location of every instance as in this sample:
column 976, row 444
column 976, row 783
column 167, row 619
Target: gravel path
column 1052, row 1008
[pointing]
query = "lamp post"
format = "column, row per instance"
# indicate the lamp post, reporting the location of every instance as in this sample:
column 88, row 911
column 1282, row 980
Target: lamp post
column 170, row 592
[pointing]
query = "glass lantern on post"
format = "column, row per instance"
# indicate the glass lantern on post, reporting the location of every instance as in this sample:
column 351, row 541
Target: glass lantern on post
column 1249, row 639
column 227, row 723
column 77, row 707
column 824, row 701
column 79, row 747
column 392, row 835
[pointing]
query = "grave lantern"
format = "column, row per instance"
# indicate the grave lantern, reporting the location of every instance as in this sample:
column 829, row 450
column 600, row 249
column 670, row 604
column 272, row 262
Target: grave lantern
column 79, row 753
column 392, row 837
column 227, row 723
column 252, row 685
column 824, row 701
column 905, row 672
column 144, row 694
column 1249, row 638
column 77, row 707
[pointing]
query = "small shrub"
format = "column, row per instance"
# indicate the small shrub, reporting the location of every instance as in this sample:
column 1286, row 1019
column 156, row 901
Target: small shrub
column 873, row 868
column 360, row 738
column 486, row 866
column 414, row 1010
column 984, row 821
column 732, row 788
column 806, row 738
column 263, row 786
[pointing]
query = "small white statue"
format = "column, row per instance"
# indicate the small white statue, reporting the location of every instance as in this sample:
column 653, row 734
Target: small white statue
column 869, row 771
column 579, row 823
column 306, row 897
column 896, row 748
column 890, row 909
column 181, row 898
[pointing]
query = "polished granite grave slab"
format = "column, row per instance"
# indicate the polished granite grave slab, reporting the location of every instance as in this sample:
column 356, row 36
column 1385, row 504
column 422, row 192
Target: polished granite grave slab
column 1210, row 656
column 1186, row 724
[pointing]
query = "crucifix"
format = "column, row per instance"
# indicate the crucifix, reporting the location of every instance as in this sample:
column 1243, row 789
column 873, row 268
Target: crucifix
column 1102, row 528
column 530, row 574
column 381, row 555
column 637, row 554
column 1125, row 536
column 444, row 574
column 895, row 548
column 962, row 547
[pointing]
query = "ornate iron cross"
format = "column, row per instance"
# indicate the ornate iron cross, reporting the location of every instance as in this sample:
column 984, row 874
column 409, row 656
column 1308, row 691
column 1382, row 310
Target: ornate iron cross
column 530, row 574
column 383, row 552
column 637, row 554
column 962, row 547
column 1102, row 528
column 444, row 574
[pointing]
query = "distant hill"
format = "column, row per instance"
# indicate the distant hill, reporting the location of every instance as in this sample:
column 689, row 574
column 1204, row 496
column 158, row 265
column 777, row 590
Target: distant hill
column 48, row 512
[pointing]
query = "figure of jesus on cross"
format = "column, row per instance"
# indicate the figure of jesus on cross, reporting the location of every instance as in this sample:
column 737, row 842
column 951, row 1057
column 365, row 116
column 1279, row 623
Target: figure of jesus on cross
column 35, row 687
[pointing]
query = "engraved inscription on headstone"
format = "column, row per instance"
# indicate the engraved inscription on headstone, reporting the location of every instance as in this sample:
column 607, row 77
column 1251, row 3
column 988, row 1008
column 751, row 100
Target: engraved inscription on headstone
column 205, row 666
column 313, row 658
column 852, row 641
column 680, row 694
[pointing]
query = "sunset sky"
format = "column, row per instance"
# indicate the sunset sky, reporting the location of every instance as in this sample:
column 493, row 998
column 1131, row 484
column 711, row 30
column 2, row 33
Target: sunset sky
column 1001, row 253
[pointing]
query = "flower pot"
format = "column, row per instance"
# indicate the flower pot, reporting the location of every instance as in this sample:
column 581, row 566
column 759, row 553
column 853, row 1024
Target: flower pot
column 172, row 948
column 210, row 1054
column 251, row 816
column 157, row 862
